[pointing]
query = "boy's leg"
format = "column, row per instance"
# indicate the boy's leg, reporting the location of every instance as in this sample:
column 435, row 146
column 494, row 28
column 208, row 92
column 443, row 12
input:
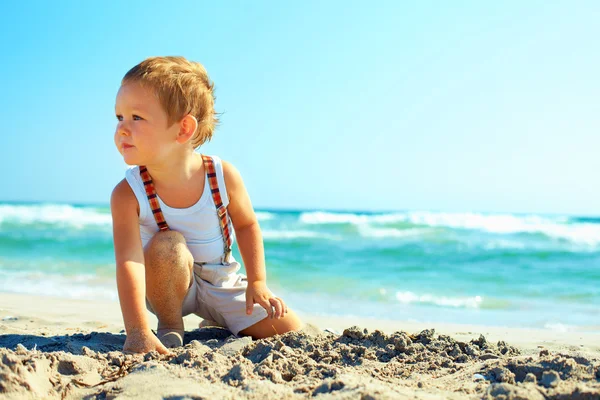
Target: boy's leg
column 169, row 268
column 269, row 327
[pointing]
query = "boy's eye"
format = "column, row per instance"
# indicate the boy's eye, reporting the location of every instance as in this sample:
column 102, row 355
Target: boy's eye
column 135, row 117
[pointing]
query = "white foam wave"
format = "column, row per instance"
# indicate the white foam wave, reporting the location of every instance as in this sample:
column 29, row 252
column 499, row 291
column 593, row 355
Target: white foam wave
column 58, row 214
column 372, row 232
column 456, row 302
column 321, row 217
column 264, row 216
column 506, row 244
column 557, row 228
column 67, row 215
column 290, row 235
column 558, row 327
column 72, row 287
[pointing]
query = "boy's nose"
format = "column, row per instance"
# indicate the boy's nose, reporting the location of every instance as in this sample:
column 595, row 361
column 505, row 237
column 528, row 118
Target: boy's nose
column 122, row 130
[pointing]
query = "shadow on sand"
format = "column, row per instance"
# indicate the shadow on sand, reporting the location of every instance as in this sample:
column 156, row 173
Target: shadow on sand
column 102, row 342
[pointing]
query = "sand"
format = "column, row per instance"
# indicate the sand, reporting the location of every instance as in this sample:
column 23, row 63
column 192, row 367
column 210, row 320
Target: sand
column 65, row 349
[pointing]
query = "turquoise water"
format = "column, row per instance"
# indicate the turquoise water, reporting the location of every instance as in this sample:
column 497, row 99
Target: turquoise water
column 500, row 269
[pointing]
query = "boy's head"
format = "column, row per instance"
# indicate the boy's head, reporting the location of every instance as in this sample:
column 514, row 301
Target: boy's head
column 182, row 87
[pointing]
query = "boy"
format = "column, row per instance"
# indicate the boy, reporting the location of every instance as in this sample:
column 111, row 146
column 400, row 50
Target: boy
column 173, row 216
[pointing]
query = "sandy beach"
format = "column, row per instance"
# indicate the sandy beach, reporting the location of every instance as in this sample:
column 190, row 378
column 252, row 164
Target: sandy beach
column 66, row 349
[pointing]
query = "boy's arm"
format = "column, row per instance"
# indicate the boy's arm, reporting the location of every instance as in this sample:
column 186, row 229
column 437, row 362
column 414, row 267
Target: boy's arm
column 129, row 258
column 247, row 230
column 249, row 238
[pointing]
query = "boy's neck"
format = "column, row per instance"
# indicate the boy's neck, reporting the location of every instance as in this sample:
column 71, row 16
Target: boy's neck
column 175, row 170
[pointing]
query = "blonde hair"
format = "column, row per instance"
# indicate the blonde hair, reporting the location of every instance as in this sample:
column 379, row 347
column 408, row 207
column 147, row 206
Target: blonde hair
column 183, row 87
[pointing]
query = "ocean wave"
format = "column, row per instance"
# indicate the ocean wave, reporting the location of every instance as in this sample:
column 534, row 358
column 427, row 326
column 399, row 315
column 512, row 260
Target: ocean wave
column 264, row 215
column 556, row 228
column 74, row 287
column 53, row 214
column 368, row 231
column 443, row 301
column 575, row 230
column 558, row 327
column 322, row 218
column 591, row 220
column 507, row 245
column 67, row 215
column 290, row 235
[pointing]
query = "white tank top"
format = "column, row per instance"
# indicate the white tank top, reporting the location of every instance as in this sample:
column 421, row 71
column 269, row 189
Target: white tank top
column 199, row 224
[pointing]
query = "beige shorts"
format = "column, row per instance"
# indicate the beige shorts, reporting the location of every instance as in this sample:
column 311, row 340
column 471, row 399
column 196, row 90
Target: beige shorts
column 218, row 292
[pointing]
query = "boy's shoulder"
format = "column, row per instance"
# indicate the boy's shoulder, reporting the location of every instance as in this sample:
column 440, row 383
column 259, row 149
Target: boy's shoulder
column 232, row 176
column 124, row 190
column 122, row 196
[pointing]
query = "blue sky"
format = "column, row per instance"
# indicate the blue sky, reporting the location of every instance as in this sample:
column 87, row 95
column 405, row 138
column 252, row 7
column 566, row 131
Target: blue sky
column 456, row 106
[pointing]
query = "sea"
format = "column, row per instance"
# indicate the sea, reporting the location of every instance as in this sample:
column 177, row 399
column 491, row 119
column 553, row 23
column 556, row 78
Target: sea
column 501, row 269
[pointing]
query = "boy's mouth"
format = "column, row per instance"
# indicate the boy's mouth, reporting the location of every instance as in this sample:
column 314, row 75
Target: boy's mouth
column 126, row 146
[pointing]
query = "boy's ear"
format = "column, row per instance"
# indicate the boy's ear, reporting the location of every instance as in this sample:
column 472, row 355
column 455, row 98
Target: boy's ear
column 187, row 128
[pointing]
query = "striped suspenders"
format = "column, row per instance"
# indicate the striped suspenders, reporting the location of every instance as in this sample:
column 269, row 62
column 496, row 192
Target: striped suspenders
column 152, row 199
column 224, row 220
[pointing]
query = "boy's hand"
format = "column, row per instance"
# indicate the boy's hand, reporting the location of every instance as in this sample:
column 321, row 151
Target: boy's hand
column 258, row 293
column 143, row 342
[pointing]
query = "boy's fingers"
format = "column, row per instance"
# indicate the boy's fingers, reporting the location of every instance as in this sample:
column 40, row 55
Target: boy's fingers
column 249, row 305
column 277, row 303
column 267, row 306
column 284, row 308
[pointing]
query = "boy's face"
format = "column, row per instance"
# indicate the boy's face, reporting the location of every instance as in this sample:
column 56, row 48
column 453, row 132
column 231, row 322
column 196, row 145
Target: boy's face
column 142, row 135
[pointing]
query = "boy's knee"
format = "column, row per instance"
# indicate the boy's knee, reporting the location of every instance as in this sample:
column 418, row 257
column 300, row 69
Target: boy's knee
column 167, row 238
column 166, row 244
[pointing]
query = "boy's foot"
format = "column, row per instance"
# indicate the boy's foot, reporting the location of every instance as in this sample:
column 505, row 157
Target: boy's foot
column 170, row 338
